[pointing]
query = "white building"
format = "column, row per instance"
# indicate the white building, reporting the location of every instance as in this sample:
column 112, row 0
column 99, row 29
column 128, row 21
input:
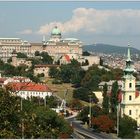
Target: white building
column 130, row 103
column 28, row 90
column 8, row 45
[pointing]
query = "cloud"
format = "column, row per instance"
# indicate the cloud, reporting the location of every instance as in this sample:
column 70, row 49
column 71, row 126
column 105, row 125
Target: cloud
column 116, row 22
column 26, row 32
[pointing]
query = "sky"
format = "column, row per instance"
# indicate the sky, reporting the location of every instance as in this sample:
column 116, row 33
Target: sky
column 116, row 23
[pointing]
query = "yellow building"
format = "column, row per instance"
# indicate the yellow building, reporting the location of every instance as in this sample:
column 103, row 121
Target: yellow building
column 130, row 104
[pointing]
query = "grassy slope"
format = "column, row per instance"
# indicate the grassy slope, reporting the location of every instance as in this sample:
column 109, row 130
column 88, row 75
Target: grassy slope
column 60, row 89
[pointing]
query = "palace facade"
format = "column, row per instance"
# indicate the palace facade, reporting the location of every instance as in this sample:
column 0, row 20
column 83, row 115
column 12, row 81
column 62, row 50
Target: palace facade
column 8, row 45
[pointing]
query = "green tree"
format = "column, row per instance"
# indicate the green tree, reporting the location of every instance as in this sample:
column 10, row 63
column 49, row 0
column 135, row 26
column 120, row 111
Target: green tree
column 38, row 121
column 21, row 70
column 54, row 72
column 114, row 97
column 37, row 53
column 51, row 101
column 105, row 103
column 21, row 55
column 83, row 94
column 9, row 70
column 9, row 60
column 127, row 127
column 66, row 73
column 46, row 59
column 95, row 111
column 9, row 115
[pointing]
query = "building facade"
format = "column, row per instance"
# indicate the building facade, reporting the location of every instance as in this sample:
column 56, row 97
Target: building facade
column 57, row 47
column 28, row 90
column 19, row 61
column 8, row 45
column 43, row 69
column 130, row 102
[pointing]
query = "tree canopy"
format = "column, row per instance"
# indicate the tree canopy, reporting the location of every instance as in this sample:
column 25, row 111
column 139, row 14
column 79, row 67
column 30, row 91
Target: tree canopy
column 36, row 121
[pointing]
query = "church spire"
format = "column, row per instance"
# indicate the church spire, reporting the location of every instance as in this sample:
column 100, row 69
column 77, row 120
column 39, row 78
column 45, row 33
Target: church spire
column 128, row 68
column 128, row 54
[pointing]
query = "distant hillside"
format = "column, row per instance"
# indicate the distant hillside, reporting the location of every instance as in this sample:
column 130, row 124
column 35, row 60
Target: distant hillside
column 109, row 49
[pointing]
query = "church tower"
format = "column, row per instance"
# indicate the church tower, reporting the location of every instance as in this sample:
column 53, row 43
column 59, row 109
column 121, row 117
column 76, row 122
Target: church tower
column 130, row 105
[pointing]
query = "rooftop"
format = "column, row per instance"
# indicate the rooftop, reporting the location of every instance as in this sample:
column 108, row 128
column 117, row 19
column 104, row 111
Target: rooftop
column 26, row 86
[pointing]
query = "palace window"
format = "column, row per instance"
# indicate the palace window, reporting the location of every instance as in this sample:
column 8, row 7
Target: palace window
column 136, row 112
column 130, row 98
column 130, row 112
column 130, row 85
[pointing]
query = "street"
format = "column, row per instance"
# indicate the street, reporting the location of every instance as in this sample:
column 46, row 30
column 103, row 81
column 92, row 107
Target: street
column 87, row 133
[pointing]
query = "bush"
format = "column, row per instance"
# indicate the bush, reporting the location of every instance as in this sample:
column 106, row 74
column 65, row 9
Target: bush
column 103, row 123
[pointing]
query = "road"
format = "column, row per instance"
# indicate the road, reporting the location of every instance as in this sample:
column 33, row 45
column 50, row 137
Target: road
column 88, row 133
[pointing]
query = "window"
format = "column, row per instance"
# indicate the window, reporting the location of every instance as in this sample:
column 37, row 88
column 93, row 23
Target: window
column 130, row 85
column 130, row 112
column 136, row 112
column 130, row 98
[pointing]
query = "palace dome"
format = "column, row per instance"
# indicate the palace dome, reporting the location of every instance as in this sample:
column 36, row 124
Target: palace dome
column 56, row 31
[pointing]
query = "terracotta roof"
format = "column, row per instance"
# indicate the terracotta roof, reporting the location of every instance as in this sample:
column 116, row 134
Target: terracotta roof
column 67, row 57
column 136, row 93
column 29, row 87
column 2, row 80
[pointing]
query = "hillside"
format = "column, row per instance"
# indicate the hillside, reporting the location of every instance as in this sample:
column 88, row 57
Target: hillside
column 109, row 49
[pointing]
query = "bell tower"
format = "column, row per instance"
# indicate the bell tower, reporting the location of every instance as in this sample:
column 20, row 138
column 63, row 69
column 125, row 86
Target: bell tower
column 129, row 84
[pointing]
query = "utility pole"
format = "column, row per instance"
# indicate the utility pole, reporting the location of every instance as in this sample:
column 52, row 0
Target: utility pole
column 118, row 115
column 45, row 101
column 89, row 111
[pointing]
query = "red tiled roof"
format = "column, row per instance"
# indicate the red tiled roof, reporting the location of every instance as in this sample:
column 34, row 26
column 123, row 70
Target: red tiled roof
column 67, row 57
column 29, row 87
column 2, row 80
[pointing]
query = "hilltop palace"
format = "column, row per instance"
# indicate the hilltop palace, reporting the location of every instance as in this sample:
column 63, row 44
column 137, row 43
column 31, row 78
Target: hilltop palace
column 60, row 49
